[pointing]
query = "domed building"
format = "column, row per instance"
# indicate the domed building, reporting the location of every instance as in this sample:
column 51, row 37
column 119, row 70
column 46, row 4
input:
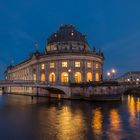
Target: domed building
column 67, row 59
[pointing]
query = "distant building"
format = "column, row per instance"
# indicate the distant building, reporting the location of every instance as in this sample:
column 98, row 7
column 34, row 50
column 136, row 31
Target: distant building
column 67, row 58
column 133, row 76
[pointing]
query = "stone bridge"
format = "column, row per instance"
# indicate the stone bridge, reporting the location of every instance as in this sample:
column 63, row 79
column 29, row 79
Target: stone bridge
column 68, row 90
column 61, row 88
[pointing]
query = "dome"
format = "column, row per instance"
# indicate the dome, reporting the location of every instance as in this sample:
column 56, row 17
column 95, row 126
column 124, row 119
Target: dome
column 67, row 39
column 67, row 33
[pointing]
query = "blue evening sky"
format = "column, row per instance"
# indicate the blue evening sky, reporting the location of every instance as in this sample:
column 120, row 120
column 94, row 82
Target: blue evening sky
column 112, row 25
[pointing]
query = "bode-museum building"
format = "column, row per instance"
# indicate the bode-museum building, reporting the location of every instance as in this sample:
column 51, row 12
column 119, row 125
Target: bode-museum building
column 67, row 58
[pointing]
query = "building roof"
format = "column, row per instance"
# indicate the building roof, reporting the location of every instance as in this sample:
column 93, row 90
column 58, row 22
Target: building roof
column 129, row 73
column 67, row 33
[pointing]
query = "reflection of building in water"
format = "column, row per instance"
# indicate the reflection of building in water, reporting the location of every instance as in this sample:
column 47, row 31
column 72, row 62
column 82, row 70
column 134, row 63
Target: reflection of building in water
column 67, row 58
column 97, row 122
column 138, row 105
column 70, row 125
column 132, row 110
column 115, row 125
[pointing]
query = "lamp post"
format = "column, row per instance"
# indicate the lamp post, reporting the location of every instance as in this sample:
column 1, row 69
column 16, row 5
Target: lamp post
column 108, row 75
column 113, row 73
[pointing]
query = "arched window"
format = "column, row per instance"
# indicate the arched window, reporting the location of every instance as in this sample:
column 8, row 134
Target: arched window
column 77, row 77
column 43, row 78
column 97, row 76
column 89, row 76
column 52, row 77
column 64, row 77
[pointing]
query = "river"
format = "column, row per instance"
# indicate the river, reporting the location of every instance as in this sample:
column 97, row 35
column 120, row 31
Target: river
column 22, row 118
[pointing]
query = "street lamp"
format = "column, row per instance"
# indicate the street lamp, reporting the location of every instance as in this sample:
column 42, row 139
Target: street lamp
column 113, row 73
column 108, row 75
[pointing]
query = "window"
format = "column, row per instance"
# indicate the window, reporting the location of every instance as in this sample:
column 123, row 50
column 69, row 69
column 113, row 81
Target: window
column 43, row 66
column 34, row 77
column 52, row 77
column 89, row 76
column 64, row 64
column 77, row 77
column 77, row 64
column 43, row 78
column 51, row 65
column 97, row 76
column 64, row 77
column 97, row 65
column 88, row 64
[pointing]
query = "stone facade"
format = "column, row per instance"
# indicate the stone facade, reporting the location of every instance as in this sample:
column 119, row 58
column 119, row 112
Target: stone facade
column 68, row 58
column 133, row 76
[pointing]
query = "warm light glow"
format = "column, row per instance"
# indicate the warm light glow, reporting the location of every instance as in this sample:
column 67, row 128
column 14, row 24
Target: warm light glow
column 97, row 76
column 97, row 122
column 69, row 70
column 43, row 77
column 51, row 65
column 115, row 124
column 34, row 77
column 89, row 76
column 64, row 77
column 132, row 110
column 43, row 66
column 52, row 77
column 77, row 64
column 88, row 64
column 77, row 77
column 64, row 64
column 138, row 105
column 97, row 65
column 113, row 71
column 108, row 74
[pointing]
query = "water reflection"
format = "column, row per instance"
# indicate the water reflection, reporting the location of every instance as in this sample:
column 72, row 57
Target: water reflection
column 115, row 125
column 132, row 110
column 97, row 122
column 44, row 119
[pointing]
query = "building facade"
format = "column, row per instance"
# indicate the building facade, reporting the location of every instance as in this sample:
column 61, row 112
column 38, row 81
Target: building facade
column 67, row 58
column 132, row 76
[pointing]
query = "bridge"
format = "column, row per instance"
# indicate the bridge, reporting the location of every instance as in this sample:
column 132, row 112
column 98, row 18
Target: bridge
column 60, row 88
column 67, row 90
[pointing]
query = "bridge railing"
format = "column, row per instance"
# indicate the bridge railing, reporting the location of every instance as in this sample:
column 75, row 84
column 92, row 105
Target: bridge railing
column 31, row 82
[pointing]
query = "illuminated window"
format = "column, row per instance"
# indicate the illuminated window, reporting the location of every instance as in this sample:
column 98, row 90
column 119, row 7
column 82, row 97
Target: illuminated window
column 89, row 76
column 77, row 77
column 97, row 65
column 88, row 64
column 43, row 78
column 97, row 77
column 52, row 77
column 34, row 77
column 64, row 64
column 51, row 65
column 77, row 64
column 43, row 66
column 64, row 77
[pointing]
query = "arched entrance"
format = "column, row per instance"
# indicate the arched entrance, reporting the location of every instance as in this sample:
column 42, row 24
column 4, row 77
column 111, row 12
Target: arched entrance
column 89, row 76
column 97, row 78
column 77, row 77
column 43, row 77
column 52, row 77
column 64, row 77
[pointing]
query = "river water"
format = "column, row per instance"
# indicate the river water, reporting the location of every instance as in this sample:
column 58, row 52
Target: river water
column 22, row 118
